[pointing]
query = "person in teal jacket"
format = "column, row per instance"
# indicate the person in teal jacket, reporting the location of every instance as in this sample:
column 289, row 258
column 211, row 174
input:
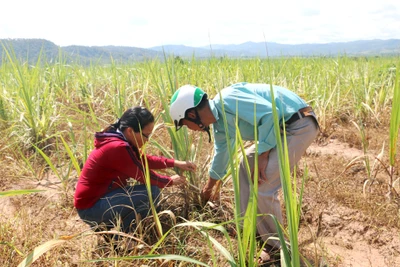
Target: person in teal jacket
column 245, row 105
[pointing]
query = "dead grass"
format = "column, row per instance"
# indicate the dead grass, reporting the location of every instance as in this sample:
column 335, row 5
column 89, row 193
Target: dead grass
column 340, row 226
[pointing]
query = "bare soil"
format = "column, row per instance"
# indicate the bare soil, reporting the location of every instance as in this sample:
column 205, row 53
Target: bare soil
column 354, row 222
column 345, row 221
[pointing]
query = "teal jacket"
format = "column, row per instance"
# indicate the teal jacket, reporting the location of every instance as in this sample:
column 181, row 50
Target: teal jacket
column 246, row 105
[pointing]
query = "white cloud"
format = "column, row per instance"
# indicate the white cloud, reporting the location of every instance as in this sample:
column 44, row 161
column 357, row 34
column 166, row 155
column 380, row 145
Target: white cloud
column 158, row 22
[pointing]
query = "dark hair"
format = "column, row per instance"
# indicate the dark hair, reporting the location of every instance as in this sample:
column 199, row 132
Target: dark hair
column 136, row 117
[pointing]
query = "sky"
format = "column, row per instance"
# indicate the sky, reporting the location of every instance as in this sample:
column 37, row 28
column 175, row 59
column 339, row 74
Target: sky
column 149, row 23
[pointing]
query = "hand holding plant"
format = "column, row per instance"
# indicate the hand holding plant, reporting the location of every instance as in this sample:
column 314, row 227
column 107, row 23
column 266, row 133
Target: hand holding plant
column 178, row 179
column 207, row 192
column 185, row 165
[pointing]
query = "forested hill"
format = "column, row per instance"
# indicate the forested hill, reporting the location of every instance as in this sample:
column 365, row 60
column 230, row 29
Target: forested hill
column 32, row 49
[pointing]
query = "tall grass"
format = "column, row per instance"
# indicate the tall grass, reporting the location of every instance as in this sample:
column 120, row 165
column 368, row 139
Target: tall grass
column 32, row 101
column 289, row 193
column 56, row 108
column 394, row 132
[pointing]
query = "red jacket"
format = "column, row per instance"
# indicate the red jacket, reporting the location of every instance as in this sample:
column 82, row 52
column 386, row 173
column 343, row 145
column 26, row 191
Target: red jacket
column 110, row 165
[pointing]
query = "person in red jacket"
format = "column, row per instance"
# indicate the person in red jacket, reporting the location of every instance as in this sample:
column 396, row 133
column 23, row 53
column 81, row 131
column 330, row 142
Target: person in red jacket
column 103, row 194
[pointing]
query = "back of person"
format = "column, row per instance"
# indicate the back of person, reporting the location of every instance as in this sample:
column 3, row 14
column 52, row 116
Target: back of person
column 102, row 170
column 286, row 101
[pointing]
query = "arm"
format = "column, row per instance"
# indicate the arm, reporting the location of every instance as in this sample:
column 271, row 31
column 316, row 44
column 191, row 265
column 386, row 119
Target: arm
column 185, row 165
column 177, row 180
column 156, row 162
column 218, row 167
column 262, row 166
column 220, row 160
column 125, row 161
column 207, row 189
column 159, row 162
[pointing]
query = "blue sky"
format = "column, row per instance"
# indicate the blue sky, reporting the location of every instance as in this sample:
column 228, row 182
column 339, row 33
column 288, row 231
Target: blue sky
column 148, row 23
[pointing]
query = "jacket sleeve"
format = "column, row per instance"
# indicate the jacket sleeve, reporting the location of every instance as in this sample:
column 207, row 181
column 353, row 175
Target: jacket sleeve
column 130, row 165
column 220, row 161
column 157, row 162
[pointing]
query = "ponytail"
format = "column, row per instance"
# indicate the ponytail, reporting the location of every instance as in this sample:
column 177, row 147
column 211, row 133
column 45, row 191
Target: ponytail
column 136, row 118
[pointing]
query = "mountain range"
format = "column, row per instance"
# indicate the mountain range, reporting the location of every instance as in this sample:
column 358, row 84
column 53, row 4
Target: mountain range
column 30, row 50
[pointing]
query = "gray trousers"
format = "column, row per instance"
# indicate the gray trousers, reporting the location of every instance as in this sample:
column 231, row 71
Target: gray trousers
column 300, row 134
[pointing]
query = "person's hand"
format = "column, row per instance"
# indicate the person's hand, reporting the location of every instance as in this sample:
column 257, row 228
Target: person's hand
column 185, row 165
column 262, row 166
column 178, row 179
column 205, row 194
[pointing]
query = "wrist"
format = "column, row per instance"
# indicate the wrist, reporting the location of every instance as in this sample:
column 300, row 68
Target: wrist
column 177, row 163
column 210, row 184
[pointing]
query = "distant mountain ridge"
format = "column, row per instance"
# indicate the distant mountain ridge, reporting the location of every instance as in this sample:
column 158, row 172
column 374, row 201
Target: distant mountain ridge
column 30, row 49
column 251, row 49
